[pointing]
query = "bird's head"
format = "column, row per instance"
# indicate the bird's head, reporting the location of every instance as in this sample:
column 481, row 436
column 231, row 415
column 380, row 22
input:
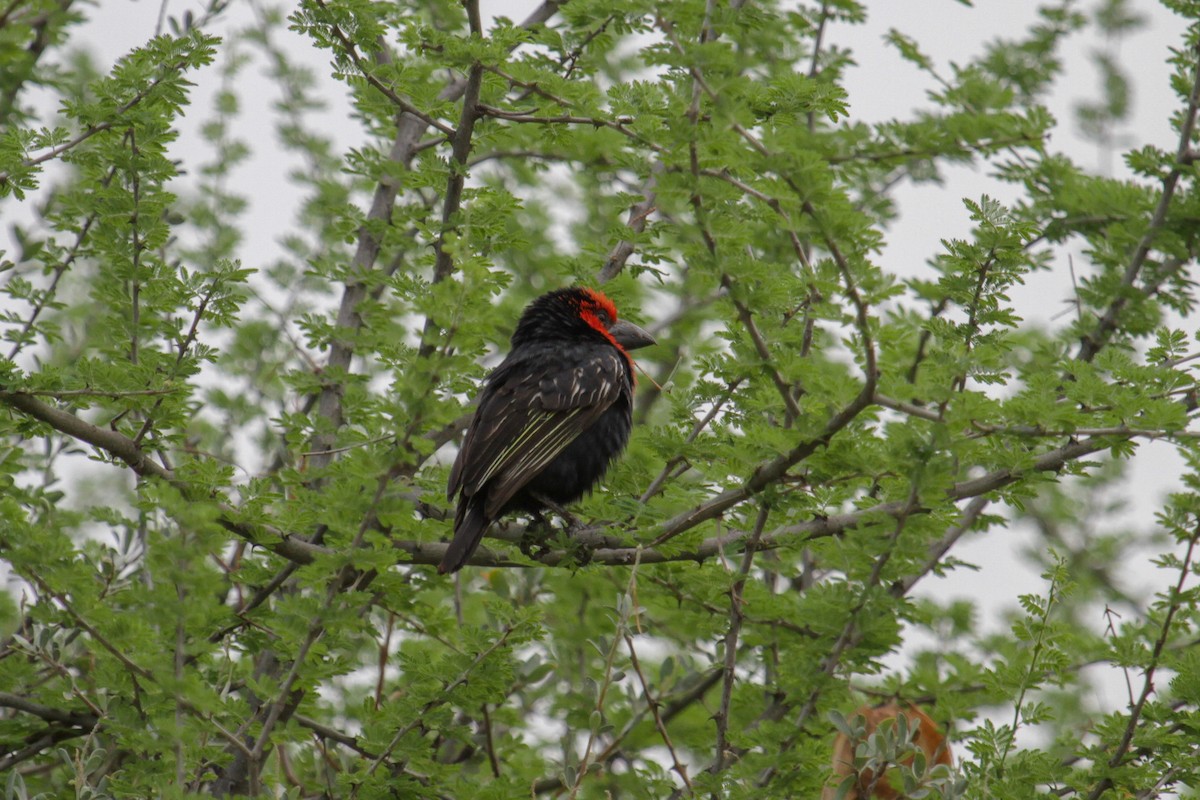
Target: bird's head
column 566, row 314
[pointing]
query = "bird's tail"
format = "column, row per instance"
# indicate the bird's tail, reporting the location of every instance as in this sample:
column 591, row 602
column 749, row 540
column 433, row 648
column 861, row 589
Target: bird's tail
column 469, row 524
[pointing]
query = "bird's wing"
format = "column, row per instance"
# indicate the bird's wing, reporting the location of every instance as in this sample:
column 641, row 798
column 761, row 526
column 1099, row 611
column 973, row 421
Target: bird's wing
column 526, row 417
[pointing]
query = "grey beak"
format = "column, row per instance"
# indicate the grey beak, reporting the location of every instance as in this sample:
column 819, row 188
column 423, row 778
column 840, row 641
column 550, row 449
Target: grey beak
column 630, row 336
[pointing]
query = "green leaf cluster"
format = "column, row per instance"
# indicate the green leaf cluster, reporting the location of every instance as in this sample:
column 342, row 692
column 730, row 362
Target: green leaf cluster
column 223, row 465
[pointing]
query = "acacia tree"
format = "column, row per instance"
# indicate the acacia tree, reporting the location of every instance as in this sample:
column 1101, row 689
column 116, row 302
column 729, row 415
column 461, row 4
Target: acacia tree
column 224, row 479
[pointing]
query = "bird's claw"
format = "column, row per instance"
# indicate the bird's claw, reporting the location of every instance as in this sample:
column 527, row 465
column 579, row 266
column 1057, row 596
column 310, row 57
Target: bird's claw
column 539, row 535
column 566, row 516
column 579, row 552
column 533, row 542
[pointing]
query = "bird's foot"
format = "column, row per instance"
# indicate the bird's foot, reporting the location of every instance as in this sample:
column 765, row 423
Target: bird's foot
column 578, row 551
column 567, row 516
column 534, row 542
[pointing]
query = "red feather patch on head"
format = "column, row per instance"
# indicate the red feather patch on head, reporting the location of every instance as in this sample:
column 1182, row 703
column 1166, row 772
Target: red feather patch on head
column 602, row 301
column 597, row 303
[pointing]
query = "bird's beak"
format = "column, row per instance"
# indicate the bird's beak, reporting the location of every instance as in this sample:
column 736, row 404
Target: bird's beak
column 630, row 336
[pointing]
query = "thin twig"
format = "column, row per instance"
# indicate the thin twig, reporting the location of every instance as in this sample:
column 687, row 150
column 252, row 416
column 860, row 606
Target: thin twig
column 618, row 124
column 489, row 741
column 114, row 121
column 626, row 609
column 699, row 426
column 135, row 291
column 679, row 703
column 60, row 269
column 736, row 617
column 1091, row 343
column 1135, row 714
column 368, row 75
column 768, row 362
column 61, row 394
column 654, row 705
column 442, row 697
column 938, row 549
column 639, row 212
column 1028, row 678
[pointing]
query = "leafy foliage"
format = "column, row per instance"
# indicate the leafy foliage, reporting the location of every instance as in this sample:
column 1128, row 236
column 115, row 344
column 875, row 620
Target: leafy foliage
column 223, row 476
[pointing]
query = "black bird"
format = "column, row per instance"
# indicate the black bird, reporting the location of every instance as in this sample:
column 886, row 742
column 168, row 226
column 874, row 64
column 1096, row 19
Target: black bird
column 551, row 417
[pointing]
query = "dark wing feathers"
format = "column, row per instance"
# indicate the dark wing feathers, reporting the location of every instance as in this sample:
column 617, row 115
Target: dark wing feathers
column 526, row 418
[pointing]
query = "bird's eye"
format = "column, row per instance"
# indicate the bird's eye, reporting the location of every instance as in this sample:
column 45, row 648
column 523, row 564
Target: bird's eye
column 603, row 316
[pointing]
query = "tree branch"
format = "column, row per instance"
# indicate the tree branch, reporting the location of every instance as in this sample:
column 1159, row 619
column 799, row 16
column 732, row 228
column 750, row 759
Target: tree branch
column 1174, row 603
column 1091, row 343
column 638, row 214
column 128, row 451
column 74, row 719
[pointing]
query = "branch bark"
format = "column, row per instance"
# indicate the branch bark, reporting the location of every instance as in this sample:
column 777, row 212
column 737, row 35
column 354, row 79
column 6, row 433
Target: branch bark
column 409, row 129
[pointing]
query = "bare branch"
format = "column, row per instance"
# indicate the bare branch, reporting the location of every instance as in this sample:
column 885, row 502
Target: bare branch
column 115, row 444
column 461, row 151
column 735, row 541
column 638, row 214
column 79, row 719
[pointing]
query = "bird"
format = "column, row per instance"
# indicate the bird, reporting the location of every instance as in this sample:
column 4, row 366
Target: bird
column 551, row 417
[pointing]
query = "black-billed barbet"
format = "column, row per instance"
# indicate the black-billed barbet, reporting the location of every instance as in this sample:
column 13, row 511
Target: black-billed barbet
column 551, row 417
